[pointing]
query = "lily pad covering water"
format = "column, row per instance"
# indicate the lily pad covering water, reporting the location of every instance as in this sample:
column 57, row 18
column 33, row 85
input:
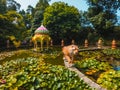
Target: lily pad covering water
column 32, row 73
column 99, row 66
column 25, row 70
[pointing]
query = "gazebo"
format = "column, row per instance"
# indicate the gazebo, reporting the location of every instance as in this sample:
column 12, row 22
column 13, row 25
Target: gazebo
column 41, row 35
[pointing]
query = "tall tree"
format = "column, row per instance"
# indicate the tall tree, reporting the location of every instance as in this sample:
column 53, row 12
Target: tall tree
column 16, row 22
column 27, row 16
column 30, row 10
column 38, row 16
column 3, row 6
column 13, row 5
column 102, row 15
column 63, row 21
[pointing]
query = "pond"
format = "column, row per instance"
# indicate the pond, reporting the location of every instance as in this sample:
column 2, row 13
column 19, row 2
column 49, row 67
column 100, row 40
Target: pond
column 54, row 56
column 95, row 64
column 29, row 70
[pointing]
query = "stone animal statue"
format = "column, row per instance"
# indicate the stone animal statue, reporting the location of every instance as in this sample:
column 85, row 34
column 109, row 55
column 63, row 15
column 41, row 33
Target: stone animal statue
column 69, row 52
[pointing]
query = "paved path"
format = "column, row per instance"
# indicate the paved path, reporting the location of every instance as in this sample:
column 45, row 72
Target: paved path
column 93, row 49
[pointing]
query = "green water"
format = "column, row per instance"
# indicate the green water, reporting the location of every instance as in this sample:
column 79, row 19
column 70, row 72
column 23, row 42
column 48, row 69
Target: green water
column 52, row 57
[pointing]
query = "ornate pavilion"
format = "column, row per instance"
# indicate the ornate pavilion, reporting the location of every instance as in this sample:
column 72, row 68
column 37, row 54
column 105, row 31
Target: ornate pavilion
column 41, row 35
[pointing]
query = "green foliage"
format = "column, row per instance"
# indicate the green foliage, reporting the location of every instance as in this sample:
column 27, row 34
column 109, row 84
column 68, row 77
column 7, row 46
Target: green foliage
column 13, row 5
column 3, row 21
column 15, row 42
column 11, row 22
column 102, row 15
column 38, row 14
column 17, row 23
column 114, row 55
column 110, row 80
column 89, row 54
column 35, row 74
column 3, row 6
column 62, row 20
column 93, row 64
column 101, row 71
column 11, row 15
column 112, row 52
column 6, row 28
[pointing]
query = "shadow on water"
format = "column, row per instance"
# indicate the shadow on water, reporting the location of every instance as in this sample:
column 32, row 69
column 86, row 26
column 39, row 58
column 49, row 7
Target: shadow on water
column 13, row 55
column 55, row 60
column 52, row 55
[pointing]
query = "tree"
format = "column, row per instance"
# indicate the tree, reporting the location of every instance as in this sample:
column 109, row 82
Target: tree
column 63, row 22
column 3, row 6
column 11, row 22
column 38, row 16
column 30, row 10
column 13, row 5
column 27, row 18
column 17, row 26
column 102, row 15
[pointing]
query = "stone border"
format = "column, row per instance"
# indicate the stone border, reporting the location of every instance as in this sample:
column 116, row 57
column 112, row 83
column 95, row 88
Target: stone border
column 86, row 79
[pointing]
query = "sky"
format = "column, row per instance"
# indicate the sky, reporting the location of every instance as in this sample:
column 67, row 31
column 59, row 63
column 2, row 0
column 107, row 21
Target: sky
column 80, row 4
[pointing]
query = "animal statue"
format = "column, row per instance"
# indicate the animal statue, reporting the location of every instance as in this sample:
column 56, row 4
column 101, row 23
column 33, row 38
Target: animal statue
column 69, row 52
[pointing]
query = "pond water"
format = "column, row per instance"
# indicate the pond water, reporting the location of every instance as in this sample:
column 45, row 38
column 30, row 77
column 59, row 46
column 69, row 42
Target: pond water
column 54, row 56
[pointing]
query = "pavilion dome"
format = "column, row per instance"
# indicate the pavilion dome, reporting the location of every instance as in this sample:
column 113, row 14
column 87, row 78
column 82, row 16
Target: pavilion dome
column 41, row 30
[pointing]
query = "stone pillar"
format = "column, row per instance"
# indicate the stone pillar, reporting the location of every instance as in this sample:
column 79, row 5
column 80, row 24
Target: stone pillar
column 62, row 43
column 73, row 42
column 113, row 44
column 51, row 43
column 86, row 43
column 99, row 43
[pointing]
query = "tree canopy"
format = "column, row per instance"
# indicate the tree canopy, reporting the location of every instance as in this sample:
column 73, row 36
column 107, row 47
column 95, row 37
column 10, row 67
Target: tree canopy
column 38, row 14
column 102, row 15
column 63, row 21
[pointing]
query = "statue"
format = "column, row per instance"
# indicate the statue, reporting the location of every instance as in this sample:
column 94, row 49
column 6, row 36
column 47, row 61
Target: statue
column 69, row 52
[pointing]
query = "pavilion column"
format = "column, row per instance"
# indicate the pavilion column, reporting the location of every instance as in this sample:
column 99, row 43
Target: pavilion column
column 41, row 44
column 36, row 45
column 47, row 44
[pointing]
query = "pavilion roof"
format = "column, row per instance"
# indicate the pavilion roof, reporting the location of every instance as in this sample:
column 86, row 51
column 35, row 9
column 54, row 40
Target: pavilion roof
column 41, row 30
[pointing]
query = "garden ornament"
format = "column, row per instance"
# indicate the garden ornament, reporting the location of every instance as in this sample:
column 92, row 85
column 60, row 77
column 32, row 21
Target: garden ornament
column 113, row 44
column 69, row 52
column 86, row 43
column 73, row 42
column 99, row 44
